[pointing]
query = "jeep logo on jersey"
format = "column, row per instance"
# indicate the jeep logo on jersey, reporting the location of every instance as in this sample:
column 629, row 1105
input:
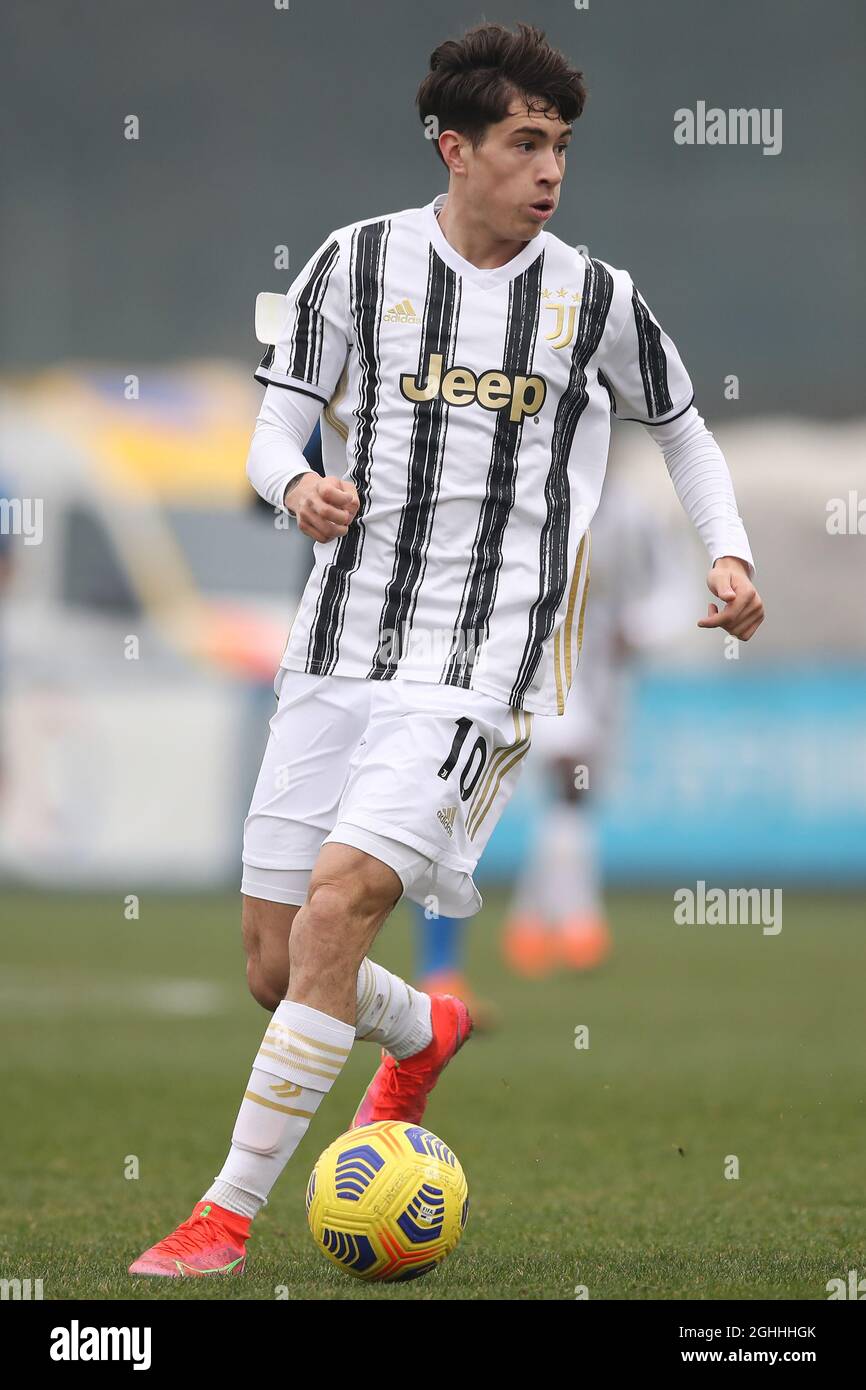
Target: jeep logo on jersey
column 492, row 390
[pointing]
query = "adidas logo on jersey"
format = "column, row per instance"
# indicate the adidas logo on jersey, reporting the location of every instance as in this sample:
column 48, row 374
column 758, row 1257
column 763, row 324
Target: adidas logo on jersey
column 401, row 313
column 492, row 390
column 446, row 815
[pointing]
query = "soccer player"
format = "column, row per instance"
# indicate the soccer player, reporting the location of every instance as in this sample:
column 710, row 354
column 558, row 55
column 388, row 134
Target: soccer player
column 557, row 917
column 465, row 363
column 5, row 582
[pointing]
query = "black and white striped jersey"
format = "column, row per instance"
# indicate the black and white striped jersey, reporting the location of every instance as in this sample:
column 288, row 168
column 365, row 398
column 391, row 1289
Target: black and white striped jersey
column 471, row 409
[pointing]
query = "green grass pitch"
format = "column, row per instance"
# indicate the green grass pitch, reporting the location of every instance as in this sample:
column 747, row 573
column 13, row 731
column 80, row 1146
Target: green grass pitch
column 601, row 1168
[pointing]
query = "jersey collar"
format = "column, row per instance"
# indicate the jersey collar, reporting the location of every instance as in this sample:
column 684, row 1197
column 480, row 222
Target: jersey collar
column 485, row 279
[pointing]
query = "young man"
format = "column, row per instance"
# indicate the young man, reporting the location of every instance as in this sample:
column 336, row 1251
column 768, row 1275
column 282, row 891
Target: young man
column 467, row 363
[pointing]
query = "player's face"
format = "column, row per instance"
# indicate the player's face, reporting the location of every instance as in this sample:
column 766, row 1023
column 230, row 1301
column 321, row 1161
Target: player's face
column 517, row 171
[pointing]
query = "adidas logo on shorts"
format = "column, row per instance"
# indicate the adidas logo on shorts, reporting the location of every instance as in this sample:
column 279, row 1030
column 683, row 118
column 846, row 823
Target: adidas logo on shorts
column 446, row 815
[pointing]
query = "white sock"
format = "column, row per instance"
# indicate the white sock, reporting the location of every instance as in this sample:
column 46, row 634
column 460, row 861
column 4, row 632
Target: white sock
column 391, row 1013
column 561, row 879
column 572, row 882
column 300, row 1058
column 529, row 890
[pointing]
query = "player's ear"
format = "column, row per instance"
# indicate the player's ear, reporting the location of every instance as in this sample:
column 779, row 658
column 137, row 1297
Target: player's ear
column 451, row 146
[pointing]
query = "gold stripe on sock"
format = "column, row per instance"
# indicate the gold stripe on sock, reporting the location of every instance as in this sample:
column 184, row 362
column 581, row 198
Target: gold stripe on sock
column 310, row 1042
column 286, row 1044
column 385, row 1007
column 273, row 1105
column 368, row 987
column 299, row 1061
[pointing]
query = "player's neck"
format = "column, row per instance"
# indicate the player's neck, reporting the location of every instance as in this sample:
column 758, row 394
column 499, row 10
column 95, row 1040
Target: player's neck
column 472, row 239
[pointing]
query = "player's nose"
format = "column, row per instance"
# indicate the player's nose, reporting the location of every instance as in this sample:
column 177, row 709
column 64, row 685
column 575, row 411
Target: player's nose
column 552, row 169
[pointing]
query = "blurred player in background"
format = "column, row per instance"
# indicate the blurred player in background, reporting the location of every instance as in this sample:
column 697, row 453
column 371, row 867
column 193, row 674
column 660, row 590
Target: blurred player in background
column 557, row 916
column 5, row 580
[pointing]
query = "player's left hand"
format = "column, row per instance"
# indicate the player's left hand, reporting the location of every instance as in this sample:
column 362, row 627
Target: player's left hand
column 743, row 610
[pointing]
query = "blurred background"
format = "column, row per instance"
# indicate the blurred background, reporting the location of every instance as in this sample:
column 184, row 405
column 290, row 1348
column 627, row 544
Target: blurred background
column 145, row 597
column 141, row 630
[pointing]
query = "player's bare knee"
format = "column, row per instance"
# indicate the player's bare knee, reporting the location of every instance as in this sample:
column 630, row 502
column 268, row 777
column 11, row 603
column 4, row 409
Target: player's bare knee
column 264, row 988
column 334, row 931
column 265, row 931
column 360, row 894
column 332, row 912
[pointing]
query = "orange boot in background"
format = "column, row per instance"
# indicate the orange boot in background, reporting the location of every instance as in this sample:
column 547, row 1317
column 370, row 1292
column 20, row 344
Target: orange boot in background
column 583, row 943
column 529, row 947
column 485, row 1015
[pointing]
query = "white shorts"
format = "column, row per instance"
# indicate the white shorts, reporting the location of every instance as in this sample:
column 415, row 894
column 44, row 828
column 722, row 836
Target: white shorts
column 415, row 774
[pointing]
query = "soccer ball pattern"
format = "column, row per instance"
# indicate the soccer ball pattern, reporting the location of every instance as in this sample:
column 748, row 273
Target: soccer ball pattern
column 387, row 1201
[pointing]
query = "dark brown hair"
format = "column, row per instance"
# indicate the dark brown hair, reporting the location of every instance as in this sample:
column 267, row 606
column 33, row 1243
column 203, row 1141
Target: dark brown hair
column 473, row 81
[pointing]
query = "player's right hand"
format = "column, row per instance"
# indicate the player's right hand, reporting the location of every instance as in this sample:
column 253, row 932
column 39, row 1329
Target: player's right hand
column 324, row 507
